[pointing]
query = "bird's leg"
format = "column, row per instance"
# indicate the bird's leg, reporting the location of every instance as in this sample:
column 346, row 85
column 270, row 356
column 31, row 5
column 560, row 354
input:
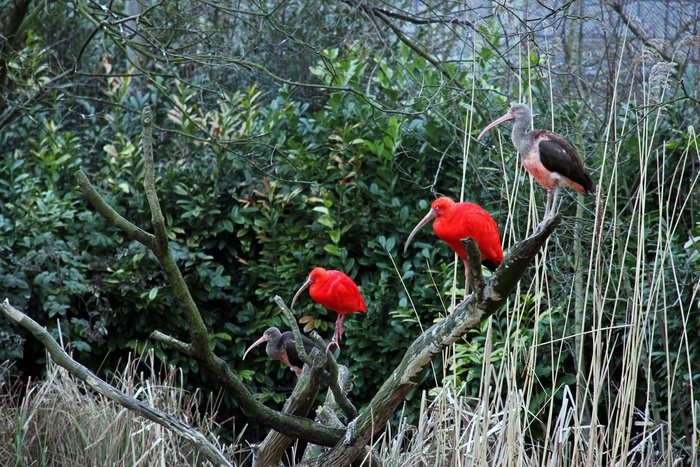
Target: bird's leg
column 466, row 278
column 548, row 206
column 553, row 210
column 337, row 334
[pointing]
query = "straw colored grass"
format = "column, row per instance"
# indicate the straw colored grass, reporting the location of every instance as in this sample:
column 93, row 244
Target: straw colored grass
column 59, row 421
column 457, row 431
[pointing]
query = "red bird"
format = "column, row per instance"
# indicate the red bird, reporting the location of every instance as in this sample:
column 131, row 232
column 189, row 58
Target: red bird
column 455, row 221
column 547, row 156
column 335, row 291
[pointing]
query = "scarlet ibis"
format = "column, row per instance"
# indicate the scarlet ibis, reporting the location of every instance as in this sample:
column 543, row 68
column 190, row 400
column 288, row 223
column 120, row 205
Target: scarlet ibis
column 335, row 291
column 455, row 221
column 547, row 156
column 280, row 346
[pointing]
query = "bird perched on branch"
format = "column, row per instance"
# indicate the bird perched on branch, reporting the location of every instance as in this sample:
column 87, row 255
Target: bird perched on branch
column 547, row 156
column 335, row 291
column 281, row 347
column 455, row 221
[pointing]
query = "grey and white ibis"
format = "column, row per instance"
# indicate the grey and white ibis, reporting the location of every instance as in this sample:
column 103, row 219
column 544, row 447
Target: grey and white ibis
column 280, row 346
column 547, row 156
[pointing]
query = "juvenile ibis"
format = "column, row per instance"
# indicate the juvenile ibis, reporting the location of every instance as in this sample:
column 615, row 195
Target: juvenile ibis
column 335, row 291
column 280, row 346
column 547, row 156
column 455, row 221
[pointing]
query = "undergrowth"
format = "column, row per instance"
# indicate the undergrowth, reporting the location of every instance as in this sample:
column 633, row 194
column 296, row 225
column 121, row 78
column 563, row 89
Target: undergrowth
column 59, row 421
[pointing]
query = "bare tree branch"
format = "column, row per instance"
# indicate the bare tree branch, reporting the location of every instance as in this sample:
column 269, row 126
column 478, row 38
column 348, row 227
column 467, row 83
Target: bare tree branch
column 300, row 403
column 386, row 18
column 408, row 18
column 106, row 211
column 617, row 8
column 301, row 351
column 488, row 297
column 222, row 374
column 34, row 97
column 348, row 408
column 176, row 344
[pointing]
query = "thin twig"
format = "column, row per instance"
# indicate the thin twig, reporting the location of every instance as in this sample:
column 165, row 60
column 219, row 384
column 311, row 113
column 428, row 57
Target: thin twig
column 617, row 8
column 409, row 18
column 182, row 347
column 298, row 343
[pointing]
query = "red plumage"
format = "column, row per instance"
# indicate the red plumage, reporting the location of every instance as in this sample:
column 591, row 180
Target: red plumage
column 335, row 291
column 455, row 221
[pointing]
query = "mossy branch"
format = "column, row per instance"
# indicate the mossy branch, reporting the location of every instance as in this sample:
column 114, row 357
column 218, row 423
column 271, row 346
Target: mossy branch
column 106, row 211
column 488, row 297
column 340, row 396
column 299, row 403
column 298, row 343
column 149, row 183
column 199, row 347
column 182, row 347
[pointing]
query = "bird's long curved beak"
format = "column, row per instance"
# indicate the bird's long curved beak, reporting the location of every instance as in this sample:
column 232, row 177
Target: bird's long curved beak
column 264, row 338
column 428, row 217
column 301, row 289
column 506, row 118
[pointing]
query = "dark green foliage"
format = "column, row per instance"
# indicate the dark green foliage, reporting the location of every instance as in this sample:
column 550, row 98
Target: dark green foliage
column 289, row 190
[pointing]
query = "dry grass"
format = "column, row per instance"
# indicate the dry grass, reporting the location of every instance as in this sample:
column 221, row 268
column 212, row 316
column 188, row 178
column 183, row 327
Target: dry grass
column 456, row 431
column 60, row 422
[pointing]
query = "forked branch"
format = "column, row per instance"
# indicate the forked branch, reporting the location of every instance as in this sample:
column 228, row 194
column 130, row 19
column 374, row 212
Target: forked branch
column 488, row 297
column 199, row 347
